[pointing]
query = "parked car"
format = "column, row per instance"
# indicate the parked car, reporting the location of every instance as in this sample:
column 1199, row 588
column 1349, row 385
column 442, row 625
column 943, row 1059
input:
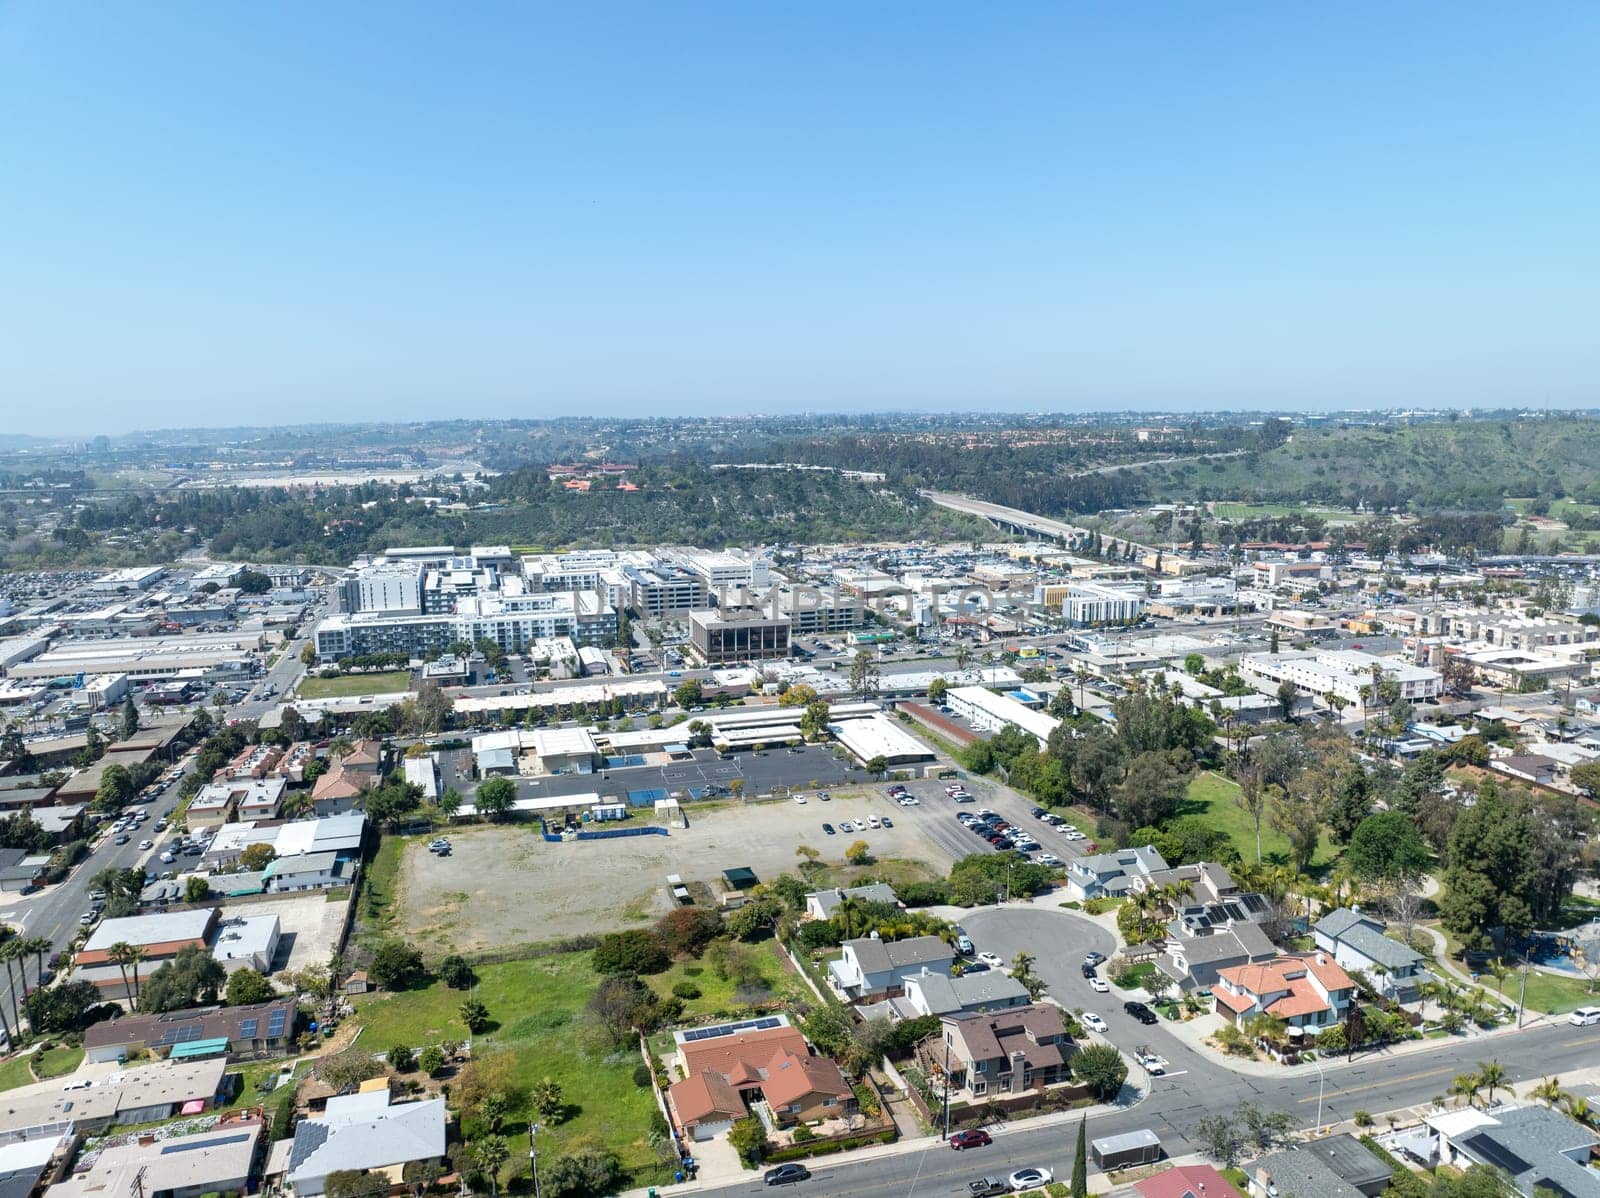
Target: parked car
column 1139, row 1011
column 985, row 1187
column 1030, row 1179
column 1584, row 1017
column 1093, row 1022
column 1099, row 985
column 147, row 844
column 785, row 1175
column 828, row 829
column 963, row 944
column 1092, row 958
column 974, row 1137
column 801, row 799
column 88, row 917
column 874, row 822
column 991, row 959
column 887, row 822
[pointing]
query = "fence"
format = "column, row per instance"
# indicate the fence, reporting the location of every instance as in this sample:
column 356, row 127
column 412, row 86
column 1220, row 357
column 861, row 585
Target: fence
column 976, row 1114
column 605, row 834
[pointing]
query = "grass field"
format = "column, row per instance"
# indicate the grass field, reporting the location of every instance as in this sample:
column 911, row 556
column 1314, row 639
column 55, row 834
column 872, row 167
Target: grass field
column 52, row 1062
column 390, row 682
column 536, row 1006
column 1215, row 798
column 717, row 995
column 1248, row 511
column 15, row 1073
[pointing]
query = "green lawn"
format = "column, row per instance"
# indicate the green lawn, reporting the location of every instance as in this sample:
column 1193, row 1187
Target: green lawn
column 717, row 995
column 1216, row 799
column 1549, row 993
column 537, row 1007
column 15, row 1073
column 1247, row 511
column 387, row 683
column 57, row 1061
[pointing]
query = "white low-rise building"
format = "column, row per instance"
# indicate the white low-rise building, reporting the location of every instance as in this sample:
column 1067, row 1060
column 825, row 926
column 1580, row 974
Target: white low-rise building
column 1345, row 673
column 991, row 712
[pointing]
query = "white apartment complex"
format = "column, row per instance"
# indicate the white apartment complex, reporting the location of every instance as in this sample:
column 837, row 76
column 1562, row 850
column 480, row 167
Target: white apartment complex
column 1341, row 672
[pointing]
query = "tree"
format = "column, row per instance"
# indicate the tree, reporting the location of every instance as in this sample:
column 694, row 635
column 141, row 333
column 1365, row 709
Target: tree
column 431, row 1060
column 1246, row 1131
column 877, row 766
column 1586, row 777
column 1101, row 1068
column 1487, row 882
column 396, row 965
column 859, row 853
column 355, row 1183
column 583, row 1171
column 127, row 956
column 495, row 797
column 1080, row 1162
column 688, row 694
column 1296, row 817
column 474, row 1015
column 545, row 1098
column 622, row 1006
column 456, row 973
column 192, row 978
column 64, row 1007
column 801, row 694
column 246, row 986
column 130, row 718
column 756, row 918
column 636, row 950
column 489, row 1154
column 196, row 889
column 116, row 788
column 864, row 673
column 1351, row 804
column 401, row 1059
column 748, row 1138
column 1154, row 788
column 421, row 1176
column 937, row 690
column 1386, row 850
column 253, row 582
column 347, row 1069
column 449, row 802
column 1286, row 696
column 256, row 857
column 1491, row 1075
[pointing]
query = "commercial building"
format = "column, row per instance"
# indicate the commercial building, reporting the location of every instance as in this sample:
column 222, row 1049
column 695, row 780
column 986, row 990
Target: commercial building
column 212, row 656
column 721, row 637
column 390, row 586
column 1505, row 630
column 655, row 590
column 1091, row 603
column 812, row 611
column 1344, row 673
column 985, row 710
column 877, row 738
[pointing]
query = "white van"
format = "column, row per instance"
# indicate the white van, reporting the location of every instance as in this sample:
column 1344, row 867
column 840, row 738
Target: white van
column 1584, row 1016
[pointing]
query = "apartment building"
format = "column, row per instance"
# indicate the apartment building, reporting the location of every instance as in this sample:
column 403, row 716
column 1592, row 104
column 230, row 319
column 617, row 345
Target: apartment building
column 1345, row 673
column 512, row 621
column 1091, row 603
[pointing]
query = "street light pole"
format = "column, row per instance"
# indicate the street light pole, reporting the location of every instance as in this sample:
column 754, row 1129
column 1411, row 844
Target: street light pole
column 1522, row 997
column 1321, row 1078
column 533, row 1156
column 945, row 1133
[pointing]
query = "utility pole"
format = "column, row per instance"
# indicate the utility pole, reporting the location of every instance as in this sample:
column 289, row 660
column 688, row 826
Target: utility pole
column 945, row 1133
column 1522, row 997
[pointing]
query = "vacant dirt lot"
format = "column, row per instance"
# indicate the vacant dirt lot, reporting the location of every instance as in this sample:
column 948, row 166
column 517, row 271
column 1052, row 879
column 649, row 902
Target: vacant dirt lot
column 505, row 886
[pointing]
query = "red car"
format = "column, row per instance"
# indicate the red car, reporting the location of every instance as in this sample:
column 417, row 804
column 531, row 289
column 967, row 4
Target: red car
column 975, row 1138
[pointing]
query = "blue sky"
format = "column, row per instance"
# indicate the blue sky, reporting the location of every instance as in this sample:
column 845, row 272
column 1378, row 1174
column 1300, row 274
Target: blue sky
column 220, row 212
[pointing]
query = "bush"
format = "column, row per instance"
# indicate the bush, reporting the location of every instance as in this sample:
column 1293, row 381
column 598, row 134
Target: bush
column 402, row 1059
column 687, row 930
column 686, row 990
column 396, row 965
column 643, row 1076
column 455, row 972
column 431, row 1060
column 635, row 951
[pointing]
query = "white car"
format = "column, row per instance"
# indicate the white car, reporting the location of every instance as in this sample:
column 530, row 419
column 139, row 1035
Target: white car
column 1099, row 985
column 1049, row 859
column 1153, row 1065
column 861, row 824
column 1092, row 1021
column 874, row 822
column 801, row 799
column 147, row 844
column 992, row 960
column 1030, row 1179
column 1584, row 1017
column 1072, row 833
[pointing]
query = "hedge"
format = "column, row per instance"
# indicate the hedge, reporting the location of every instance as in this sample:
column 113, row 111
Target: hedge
column 828, row 1147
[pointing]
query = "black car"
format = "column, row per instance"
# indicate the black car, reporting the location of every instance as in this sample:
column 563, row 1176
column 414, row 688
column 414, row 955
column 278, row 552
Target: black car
column 1003, row 844
column 1088, row 970
column 828, row 828
column 1139, row 1011
column 1037, row 812
column 785, row 1174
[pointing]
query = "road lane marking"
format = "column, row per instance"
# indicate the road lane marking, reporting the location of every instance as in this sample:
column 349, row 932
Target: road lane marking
column 1388, row 1081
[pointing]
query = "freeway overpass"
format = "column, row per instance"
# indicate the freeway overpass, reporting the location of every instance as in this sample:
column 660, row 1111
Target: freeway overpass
column 1027, row 524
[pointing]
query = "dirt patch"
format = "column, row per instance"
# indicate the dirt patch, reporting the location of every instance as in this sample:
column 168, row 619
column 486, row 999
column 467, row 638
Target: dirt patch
column 504, row 886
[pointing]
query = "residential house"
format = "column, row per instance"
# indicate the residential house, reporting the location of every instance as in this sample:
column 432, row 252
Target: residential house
column 871, row 967
column 1001, row 1052
column 1195, row 962
column 1357, row 941
column 309, row 871
column 20, row 870
column 1539, row 1148
column 1197, row 881
column 147, row 1094
column 339, row 791
column 821, row 904
column 1186, row 1181
column 729, row 1068
column 1309, row 991
column 1332, row 1167
column 1109, row 874
column 931, row 993
column 257, row 1030
column 221, row 1160
column 365, row 1131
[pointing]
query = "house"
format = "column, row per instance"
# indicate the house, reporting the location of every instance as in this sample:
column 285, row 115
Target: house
column 1186, row 1181
column 1540, row 1148
column 144, row 1095
column 339, row 791
column 1110, row 874
column 729, row 1068
column 20, row 870
column 1195, row 962
column 365, row 1131
column 821, row 904
column 932, row 993
column 997, row 1053
column 871, row 967
column 1357, row 941
column 1529, row 767
column 257, row 1030
column 219, row 1161
column 1310, row 992
column 309, row 871
column 1199, row 881
column 28, row 1155
column 1332, row 1167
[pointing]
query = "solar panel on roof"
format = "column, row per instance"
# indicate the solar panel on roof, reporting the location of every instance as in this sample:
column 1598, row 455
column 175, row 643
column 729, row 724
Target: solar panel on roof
column 217, row 1142
column 247, row 1029
column 183, row 1035
column 276, row 1022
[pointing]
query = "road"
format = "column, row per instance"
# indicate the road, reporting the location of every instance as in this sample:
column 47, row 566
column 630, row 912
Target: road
column 1175, row 1103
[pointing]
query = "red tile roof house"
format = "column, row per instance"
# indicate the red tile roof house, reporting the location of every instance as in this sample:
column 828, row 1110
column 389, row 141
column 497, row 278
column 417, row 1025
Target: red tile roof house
column 1310, row 992
column 725, row 1074
column 1187, row 1181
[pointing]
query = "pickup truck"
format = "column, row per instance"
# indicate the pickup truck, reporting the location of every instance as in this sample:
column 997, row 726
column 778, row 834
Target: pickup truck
column 986, row 1186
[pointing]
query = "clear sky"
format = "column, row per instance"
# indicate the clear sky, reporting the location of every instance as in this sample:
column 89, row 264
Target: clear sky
column 219, row 212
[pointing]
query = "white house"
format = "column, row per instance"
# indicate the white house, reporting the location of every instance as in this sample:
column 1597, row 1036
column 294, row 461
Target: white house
column 1357, row 941
column 874, row 968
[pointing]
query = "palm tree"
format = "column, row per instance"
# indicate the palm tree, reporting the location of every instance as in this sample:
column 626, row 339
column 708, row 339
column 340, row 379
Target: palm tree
column 122, row 954
column 1491, row 1075
column 1548, row 1091
column 38, row 946
column 1466, row 1085
column 9, row 952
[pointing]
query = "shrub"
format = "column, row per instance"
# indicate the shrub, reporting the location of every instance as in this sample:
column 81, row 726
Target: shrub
column 431, row 1060
column 687, row 930
column 637, row 950
column 402, row 1059
column 643, row 1076
column 686, row 990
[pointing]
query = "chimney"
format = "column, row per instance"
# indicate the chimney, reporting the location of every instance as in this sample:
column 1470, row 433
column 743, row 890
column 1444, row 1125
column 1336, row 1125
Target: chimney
column 1322, row 957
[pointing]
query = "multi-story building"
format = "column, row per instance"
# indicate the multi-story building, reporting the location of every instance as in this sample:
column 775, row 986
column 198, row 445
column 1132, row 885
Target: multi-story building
column 390, row 586
column 512, row 621
column 986, row 710
column 1090, row 603
column 1345, row 673
column 655, row 590
column 811, row 610
column 720, row 637
column 1506, row 631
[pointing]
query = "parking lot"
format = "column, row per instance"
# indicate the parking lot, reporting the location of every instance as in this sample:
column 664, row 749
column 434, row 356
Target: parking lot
column 504, row 885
